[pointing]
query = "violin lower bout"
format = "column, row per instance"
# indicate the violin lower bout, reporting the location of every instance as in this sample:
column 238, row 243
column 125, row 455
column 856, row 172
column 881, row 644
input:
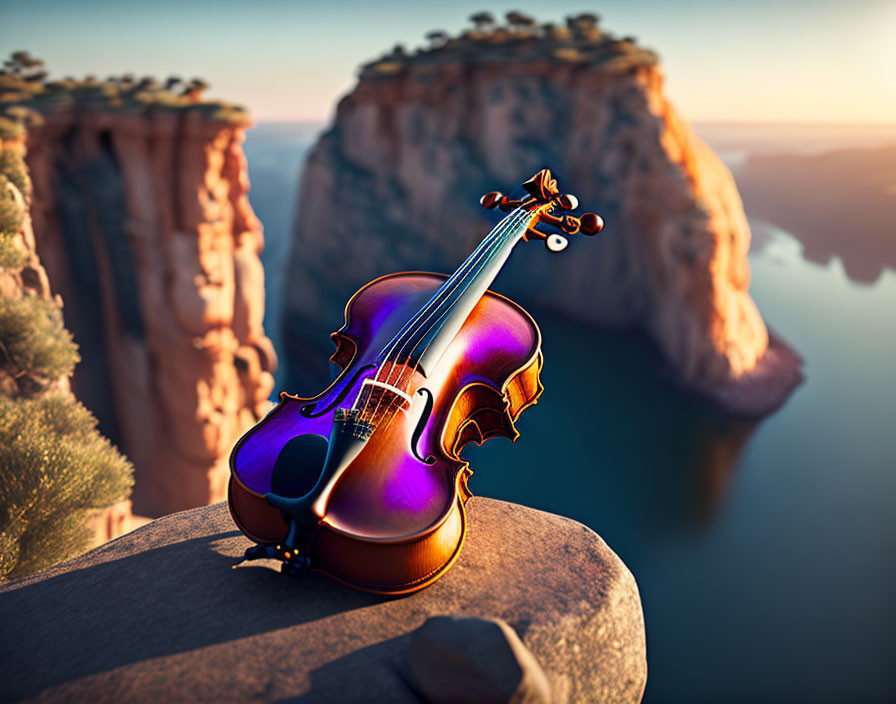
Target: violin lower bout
column 388, row 566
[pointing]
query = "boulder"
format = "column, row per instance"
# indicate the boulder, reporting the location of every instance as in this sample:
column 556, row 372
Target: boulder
column 159, row 615
column 460, row 659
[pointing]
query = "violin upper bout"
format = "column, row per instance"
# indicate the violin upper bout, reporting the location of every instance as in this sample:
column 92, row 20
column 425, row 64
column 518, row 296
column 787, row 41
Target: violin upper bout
column 482, row 412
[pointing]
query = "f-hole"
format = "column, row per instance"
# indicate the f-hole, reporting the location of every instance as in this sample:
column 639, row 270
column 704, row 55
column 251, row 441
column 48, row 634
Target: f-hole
column 421, row 424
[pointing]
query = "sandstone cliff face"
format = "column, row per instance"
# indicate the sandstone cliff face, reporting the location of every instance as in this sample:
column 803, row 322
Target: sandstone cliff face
column 144, row 226
column 394, row 184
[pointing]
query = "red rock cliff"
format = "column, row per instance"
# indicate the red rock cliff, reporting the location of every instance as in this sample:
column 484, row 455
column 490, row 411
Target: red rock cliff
column 394, row 184
column 141, row 217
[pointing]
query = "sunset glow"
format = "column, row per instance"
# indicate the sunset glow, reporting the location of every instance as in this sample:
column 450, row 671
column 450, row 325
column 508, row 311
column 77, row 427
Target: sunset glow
column 800, row 61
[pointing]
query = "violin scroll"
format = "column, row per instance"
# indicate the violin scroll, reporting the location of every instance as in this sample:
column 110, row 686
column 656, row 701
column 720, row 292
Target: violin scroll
column 542, row 197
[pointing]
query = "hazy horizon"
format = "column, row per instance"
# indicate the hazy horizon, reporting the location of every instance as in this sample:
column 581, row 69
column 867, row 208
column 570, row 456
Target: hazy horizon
column 804, row 61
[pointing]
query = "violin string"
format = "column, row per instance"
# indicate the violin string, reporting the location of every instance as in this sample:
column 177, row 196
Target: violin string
column 446, row 291
column 498, row 246
column 500, row 240
column 496, row 250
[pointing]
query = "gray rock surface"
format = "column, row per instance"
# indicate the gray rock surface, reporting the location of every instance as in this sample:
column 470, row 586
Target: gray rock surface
column 159, row 615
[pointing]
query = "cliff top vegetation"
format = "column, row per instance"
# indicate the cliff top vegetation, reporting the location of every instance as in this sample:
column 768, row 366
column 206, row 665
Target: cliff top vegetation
column 26, row 95
column 579, row 41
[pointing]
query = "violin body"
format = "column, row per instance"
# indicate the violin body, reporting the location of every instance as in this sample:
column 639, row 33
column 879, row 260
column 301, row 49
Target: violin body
column 365, row 482
column 396, row 522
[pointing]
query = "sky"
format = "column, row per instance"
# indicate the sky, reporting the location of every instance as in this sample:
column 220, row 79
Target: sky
column 819, row 61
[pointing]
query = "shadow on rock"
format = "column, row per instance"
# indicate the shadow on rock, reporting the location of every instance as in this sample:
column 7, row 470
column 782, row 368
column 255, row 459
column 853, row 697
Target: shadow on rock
column 155, row 603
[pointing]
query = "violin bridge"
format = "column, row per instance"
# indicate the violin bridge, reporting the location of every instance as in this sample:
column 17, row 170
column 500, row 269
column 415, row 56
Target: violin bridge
column 388, row 387
column 381, row 400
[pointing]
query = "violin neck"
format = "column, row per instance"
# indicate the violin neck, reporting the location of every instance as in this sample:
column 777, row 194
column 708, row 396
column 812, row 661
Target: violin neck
column 449, row 308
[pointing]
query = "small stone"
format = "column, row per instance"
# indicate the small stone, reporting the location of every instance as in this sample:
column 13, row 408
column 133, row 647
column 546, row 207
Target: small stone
column 461, row 659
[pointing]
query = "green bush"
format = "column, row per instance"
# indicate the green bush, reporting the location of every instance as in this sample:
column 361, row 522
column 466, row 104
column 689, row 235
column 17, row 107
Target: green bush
column 10, row 129
column 13, row 254
column 55, row 471
column 33, row 341
column 12, row 215
column 12, row 165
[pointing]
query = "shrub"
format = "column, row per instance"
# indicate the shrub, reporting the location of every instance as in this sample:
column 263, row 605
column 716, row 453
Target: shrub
column 12, row 165
column 55, row 471
column 13, row 254
column 12, row 215
column 10, row 129
column 33, row 341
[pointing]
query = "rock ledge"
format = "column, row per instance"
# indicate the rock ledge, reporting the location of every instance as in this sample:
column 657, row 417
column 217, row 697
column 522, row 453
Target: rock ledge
column 159, row 615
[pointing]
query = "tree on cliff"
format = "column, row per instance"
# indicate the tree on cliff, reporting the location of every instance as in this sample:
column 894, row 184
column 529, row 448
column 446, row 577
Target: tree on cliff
column 194, row 90
column 483, row 21
column 437, row 38
column 22, row 64
column 56, row 469
column 519, row 22
column 583, row 21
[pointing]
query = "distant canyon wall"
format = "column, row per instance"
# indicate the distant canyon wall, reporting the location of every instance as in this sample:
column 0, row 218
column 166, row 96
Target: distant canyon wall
column 145, row 229
column 847, row 199
column 394, row 184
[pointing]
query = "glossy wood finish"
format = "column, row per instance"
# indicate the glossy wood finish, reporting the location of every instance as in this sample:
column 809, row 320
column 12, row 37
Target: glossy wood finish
column 394, row 522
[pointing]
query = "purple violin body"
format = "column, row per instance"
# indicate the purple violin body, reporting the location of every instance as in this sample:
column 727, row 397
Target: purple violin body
column 408, row 482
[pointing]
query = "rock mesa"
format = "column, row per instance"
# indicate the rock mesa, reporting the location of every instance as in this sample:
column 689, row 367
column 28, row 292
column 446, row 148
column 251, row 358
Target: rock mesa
column 394, row 184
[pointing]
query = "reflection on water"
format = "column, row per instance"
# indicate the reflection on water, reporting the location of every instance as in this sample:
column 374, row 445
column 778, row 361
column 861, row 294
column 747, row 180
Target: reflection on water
column 839, row 204
column 609, row 426
column 764, row 554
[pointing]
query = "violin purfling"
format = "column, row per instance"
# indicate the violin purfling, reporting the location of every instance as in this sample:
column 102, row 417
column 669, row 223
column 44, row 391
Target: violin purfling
column 365, row 482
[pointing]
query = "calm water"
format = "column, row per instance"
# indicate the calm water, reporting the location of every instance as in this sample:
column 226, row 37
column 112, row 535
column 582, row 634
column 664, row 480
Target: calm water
column 764, row 552
column 764, row 555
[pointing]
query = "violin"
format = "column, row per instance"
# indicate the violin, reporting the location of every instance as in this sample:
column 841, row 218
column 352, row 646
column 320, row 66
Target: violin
column 364, row 482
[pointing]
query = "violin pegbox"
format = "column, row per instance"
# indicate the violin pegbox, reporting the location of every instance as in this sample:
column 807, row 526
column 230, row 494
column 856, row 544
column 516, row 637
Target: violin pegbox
column 543, row 198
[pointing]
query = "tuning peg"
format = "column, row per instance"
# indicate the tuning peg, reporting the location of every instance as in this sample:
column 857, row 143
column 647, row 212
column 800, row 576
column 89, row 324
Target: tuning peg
column 570, row 224
column 491, row 200
column 591, row 224
column 567, row 201
column 556, row 243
